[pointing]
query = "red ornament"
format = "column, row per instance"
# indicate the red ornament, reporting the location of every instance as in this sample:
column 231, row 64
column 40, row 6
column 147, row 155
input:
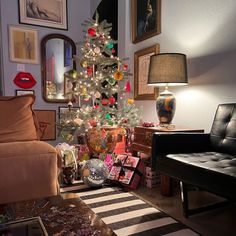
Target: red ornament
column 92, row 32
column 125, row 67
column 112, row 100
column 113, row 50
column 105, row 101
column 24, row 80
column 128, row 87
column 89, row 71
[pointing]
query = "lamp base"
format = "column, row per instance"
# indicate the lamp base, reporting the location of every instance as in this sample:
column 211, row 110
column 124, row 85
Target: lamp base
column 165, row 106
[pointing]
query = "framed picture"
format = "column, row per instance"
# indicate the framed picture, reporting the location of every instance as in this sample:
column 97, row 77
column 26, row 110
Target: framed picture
column 64, row 109
column 141, row 67
column 146, row 19
column 23, row 44
column 47, row 124
column 20, row 92
column 47, row 13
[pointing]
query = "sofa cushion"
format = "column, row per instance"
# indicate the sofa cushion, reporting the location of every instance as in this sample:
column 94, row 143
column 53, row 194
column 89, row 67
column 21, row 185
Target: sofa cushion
column 17, row 119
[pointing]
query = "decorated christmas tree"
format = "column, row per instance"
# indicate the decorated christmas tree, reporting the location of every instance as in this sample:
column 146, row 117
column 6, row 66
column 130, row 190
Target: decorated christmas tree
column 101, row 90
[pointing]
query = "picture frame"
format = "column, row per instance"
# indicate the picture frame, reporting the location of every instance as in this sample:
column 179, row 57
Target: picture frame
column 47, row 124
column 23, row 44
column 145, row 23
column 20, row 92
column 141, row 68
column 52, row 14
column 64, row 109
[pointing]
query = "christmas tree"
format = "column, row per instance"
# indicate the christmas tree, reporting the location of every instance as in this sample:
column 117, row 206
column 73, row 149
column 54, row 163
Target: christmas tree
column 102, row 86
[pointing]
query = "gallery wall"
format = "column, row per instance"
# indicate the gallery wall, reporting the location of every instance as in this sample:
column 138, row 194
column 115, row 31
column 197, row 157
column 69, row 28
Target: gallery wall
column 203, row 30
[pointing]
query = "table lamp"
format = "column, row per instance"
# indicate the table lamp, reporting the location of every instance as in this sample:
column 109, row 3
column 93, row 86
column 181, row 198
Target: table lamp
column 167, row 69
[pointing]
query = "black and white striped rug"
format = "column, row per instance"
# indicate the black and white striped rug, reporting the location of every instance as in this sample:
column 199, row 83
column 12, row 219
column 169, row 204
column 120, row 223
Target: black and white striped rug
column 126, row 214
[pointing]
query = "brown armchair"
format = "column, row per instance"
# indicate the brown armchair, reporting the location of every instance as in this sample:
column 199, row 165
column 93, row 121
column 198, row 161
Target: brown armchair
column 28, row 167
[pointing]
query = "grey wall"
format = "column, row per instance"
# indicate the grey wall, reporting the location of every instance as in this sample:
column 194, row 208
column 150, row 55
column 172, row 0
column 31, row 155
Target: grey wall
column 206, row 32
column 78, row 11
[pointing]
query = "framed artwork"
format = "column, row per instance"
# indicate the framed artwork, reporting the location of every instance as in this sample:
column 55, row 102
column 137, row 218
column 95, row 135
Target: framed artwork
column 44, row 13
column 23, row 43
column 47, row 124
column 141, row 67
column 20, row 92
column 65, row 109
column 146, row 19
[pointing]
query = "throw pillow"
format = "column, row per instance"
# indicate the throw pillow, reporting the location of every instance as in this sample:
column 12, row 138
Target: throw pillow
column 17, row 119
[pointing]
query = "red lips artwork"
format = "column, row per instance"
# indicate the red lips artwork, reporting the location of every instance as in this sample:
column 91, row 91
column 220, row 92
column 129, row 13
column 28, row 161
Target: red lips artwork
column 24, row 80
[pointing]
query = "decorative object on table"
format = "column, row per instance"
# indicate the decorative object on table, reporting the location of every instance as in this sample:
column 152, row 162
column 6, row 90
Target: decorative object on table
column 100, row 87
column 24, row 80
column 141, row 66
column 51, row 14
column 167, row 69
column 46, row 121
column 146, row 19
column 94, row 173
column 70, row 167
column 127, row 170
column 20, row 92
column 148, row 124
column 23, row 44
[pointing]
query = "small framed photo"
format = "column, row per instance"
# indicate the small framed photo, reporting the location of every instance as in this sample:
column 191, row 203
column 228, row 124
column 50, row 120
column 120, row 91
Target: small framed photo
column 23, row 45
column 20, row 92
column 63, row 110
column 47, row 124
column 46, row 13
column 141, row 67
column 146, row 19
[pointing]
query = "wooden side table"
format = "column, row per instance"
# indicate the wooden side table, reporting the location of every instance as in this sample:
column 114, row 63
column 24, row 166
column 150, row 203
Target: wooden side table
column 143, row 143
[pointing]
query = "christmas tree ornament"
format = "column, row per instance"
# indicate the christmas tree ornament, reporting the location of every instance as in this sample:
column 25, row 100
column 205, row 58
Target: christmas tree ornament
column 130, row 101
column 97, row 94
column 111, row 81
column 112, row 100
column 125, row 67
column 89, row 71
column 109, row 45
column 84, row 63
column 118, row 75
column 128, row 87
column 113, row 50
column 92, row 32
column 73, row 73
column 86, row 97
column 84, row 91
column 105, row 101
column 97, row 50
column 108, row 116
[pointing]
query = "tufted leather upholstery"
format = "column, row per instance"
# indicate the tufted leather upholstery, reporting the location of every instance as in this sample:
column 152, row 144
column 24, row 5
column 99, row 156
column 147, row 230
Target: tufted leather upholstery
column 223, row 132
column 211, row 164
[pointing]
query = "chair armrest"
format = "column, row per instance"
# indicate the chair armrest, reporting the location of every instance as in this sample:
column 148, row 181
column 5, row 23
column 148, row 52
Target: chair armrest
column 181, row 142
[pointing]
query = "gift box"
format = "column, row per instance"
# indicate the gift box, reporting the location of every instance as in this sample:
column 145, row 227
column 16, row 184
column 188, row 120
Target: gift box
column 127, row 170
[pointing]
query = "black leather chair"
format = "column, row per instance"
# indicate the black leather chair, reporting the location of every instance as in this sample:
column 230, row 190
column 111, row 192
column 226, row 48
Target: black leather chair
column 205, row 160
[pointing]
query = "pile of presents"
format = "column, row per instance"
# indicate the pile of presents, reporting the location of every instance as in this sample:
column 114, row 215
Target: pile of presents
column 124, row 169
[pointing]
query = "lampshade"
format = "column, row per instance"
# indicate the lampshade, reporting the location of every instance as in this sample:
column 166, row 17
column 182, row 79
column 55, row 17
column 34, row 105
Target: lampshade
column 167, row 69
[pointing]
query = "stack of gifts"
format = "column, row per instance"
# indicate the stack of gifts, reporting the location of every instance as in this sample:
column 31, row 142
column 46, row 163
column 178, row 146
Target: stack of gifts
column 127, row 170
column 152, row 178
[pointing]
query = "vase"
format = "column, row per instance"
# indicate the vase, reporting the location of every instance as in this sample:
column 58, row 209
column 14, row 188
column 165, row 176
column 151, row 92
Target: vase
column 102, row 140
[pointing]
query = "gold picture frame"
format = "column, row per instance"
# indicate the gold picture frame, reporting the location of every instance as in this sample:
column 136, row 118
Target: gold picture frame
column 44, row 13
column 47, row 124
column 23, row 43
column 146, row 19
column 141, row 66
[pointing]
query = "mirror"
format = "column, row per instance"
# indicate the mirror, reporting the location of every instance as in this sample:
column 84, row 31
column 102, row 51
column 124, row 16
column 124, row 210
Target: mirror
column 57, row 52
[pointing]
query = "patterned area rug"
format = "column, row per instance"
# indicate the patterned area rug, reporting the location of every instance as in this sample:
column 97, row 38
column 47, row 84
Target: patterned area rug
column 126, row 214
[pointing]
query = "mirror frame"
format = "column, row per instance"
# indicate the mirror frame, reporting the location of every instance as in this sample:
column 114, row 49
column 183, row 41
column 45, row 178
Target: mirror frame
column 43, row 63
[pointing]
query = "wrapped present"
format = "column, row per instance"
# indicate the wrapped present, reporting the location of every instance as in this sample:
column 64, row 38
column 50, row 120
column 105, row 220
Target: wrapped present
column 127, row 170
column 150, row 183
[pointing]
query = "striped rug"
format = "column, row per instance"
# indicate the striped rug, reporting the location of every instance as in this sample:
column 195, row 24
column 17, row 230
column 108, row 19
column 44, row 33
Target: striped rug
column 126, row 214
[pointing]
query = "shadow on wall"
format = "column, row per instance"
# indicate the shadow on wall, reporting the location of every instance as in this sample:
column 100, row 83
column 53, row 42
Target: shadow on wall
column 216, row 68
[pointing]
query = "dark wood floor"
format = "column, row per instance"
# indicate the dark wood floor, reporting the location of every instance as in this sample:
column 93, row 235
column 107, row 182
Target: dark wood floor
column 217, row 222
